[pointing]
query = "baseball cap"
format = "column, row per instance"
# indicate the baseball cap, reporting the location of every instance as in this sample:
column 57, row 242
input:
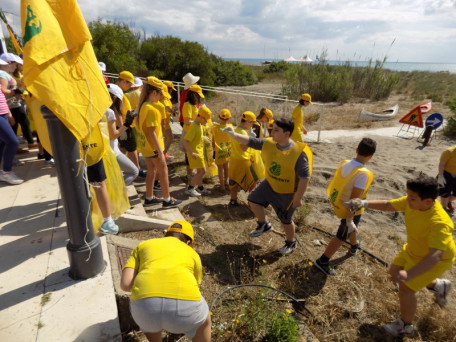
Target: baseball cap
column 154, row 81
column 225, row 114
column 115, row 90
column 306, row 97
column 248, row 116
column 205, row 112
column 165, row 91
column 268, row 113
column 137, row 82
column 197, row 89
column 169, row 84
column 183, row 227
column 127, row 76
column 102, row 66
column 2, row 62
column 189, row 80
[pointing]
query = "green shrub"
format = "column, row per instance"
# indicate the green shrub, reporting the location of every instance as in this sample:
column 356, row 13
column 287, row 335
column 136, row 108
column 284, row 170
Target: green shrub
column 282, row 328
column 280, row 66
column 450, row 127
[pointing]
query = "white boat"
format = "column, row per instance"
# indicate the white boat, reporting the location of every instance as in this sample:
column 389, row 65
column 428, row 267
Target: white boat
column 385, row 115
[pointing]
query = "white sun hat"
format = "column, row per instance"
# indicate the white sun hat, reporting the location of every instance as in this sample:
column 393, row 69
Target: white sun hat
column 189, row 80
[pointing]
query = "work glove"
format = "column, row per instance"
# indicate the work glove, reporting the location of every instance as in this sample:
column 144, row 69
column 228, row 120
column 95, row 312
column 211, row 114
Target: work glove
column 131, row 115
column 356, row 204
column 441, row 181
column 251, row 133
column 351, row 227
column 229, row 130
column 18, row 91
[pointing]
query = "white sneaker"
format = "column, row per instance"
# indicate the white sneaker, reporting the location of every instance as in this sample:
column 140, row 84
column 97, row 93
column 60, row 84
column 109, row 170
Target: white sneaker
column 10, row 177
column 204, row 191
column 49, row 162
column 441, row 290
column 397, row 328
column 192, row 192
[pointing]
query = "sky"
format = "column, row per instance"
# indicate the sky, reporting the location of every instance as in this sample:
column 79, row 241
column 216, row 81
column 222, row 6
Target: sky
column 401, row 30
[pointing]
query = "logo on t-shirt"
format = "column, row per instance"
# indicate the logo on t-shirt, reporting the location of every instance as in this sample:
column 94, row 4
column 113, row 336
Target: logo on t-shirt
column 32, row 27
column 333, row 196
column 275, row 169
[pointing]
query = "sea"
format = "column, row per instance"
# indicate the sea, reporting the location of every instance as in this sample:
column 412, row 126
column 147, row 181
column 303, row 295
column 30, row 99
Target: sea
column 396, row 66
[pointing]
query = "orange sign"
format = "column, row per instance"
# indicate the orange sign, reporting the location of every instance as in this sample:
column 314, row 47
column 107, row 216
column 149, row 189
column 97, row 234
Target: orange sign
column 413, row 118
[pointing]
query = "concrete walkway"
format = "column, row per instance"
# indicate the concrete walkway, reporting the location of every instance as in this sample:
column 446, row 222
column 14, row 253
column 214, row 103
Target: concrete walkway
column 38, row 300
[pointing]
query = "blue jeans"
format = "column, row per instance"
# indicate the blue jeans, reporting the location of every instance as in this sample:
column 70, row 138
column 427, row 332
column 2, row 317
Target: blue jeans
column 8, row 143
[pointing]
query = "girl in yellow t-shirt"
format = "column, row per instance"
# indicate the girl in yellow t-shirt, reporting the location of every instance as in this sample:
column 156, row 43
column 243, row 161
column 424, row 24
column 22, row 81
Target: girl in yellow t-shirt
column 298, row 117
column 150, row 143
column 222, row 144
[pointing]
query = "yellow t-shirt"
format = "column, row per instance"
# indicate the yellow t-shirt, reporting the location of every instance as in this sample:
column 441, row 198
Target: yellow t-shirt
column 432, row 228
column 148, row 116
column 167, row 268
column 298, row 120
column 236, row 151
column 194, row 136
column 189, row 111
column 133, row 97
column 449, row 158
column 126, row 106
column 167, row 103
column 159, row 130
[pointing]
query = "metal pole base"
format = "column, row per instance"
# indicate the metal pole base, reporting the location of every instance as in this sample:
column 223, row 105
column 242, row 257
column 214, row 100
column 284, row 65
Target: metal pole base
column 86, row 261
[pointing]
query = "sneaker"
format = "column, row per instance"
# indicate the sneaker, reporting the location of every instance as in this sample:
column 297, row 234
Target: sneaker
column 142, row 173
column 154, row 200
column 441, row 290
column 109, row 227
column 10, row 177
column 234, row 203
column 49, row 162
column 40, row 156
column 172, row 203
column 264, row 227
column 288, row 248
column 203, row 191
column 397, row 328
column 157, row 185
column 192, row 192
column 325, row 268
column 353, row 249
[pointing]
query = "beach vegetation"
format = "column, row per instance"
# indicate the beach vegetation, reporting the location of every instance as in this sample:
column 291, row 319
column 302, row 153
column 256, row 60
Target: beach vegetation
column 450, row 127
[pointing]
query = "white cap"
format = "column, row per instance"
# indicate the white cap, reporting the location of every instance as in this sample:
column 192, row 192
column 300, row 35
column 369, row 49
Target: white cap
column 115, row 90
column 2, row 62
column 189, row 80
column 138, row 82
column 102, row 66
column 10, row 57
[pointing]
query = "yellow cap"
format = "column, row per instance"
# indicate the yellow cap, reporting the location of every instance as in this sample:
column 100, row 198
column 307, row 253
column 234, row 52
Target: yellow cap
column 248, row 116
column 306, row 97
column 169, row 84
column 205, row 112
column 268, row 113
column 225, row 114
column 154, row 81
column 165, row 91
column 197, row 89
column 270, row 123
column 127, row 76
column 183, row 227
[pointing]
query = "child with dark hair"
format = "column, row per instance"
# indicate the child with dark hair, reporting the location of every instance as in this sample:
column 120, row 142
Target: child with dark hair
column 298, row 117
column 163, row 276
column 351, row 180
column 429, row 252
column 288, row 168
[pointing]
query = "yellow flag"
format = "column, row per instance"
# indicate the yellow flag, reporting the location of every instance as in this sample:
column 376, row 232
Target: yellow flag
column 60, row 67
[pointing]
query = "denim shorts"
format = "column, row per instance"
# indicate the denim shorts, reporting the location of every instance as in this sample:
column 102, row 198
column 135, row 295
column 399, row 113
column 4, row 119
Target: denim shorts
column 176, row 316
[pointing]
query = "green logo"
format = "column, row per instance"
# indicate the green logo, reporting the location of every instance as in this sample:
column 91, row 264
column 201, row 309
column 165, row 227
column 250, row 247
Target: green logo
column 275, row 169
column 333, row 196
column 31, row 28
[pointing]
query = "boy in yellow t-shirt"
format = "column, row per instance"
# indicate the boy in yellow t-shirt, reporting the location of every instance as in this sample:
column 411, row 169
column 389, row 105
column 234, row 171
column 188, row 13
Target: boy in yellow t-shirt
column 194, row 147
column 428, row 253
column 222, row 144
column 447, row 178
column 298, row 117
column 158, row 305
column 351, row 180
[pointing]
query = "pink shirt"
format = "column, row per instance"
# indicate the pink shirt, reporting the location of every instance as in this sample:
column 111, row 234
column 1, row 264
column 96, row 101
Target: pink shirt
column 3, row 104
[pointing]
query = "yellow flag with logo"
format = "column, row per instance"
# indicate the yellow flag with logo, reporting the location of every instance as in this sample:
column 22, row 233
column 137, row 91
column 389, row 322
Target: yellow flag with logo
column 60, row 67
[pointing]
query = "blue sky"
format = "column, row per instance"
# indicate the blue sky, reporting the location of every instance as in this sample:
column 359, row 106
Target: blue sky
column 422, row 30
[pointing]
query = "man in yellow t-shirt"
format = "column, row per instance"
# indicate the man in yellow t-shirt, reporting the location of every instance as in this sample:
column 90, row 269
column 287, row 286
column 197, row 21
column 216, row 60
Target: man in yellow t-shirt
column 298, row 117
column 447, row 178
column 428, row 253
column 163, row 276
column 194, row 147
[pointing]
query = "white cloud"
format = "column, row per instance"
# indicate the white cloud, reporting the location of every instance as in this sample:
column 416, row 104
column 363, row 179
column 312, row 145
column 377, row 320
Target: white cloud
column 246, row 28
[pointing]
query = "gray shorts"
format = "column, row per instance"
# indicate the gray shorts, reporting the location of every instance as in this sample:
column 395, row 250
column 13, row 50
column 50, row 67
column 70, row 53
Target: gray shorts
column 176, row 316
column 281, row 203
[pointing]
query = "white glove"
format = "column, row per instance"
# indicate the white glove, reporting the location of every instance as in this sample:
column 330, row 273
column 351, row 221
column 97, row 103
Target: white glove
column 356, row 204
column 441, row 181
column 251, row 133
column 351, row 227
column 229, row 130
column 206, row 139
